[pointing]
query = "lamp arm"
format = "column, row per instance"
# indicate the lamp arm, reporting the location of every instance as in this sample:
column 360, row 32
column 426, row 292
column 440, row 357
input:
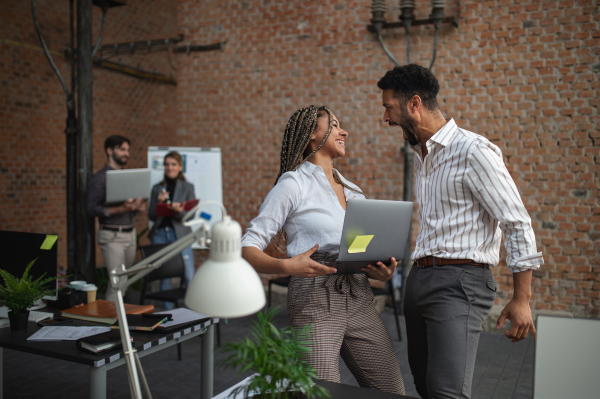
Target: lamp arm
column 156, row 260
column 134, row 367
column 186, row 218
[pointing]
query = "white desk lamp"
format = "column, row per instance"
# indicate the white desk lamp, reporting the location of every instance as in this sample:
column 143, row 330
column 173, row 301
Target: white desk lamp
column 224, row 286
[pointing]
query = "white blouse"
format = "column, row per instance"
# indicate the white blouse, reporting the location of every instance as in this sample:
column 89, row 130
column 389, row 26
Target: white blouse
column 304, row 204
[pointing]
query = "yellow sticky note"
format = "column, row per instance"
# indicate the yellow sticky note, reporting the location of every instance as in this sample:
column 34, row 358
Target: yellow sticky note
column 360, row 244
column 49, row 242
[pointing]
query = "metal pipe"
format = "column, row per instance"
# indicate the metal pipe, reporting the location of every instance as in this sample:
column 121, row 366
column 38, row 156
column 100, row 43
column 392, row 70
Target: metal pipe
column 85, row 224
column 39, row 33
column 146, row 45
column 435, row 45
column 387, row 52
column 407, row 17
column 169, row 55
column 71, row 154
column 437, row 16
column 104, row 11
column 71, row 139
column 378, row 11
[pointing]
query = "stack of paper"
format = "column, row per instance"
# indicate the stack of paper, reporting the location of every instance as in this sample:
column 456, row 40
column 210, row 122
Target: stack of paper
column 62, row 333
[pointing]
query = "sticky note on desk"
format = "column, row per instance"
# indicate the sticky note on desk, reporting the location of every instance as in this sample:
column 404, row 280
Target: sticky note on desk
column 360, row 244
column 49, row 242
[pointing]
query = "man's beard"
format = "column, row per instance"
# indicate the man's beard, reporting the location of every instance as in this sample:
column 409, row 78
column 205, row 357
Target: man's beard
column 409, row 127
column 120, row 161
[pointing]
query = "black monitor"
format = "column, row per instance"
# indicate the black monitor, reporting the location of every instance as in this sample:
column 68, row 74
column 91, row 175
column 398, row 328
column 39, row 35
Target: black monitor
column 18, row 249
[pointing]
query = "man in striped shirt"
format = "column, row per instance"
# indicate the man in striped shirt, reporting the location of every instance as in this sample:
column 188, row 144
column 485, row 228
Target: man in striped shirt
column 467, row 202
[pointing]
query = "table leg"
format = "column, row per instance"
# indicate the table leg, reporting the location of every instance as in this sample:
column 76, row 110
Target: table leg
column 98, row 382
column 207, row 363
column 1, row 373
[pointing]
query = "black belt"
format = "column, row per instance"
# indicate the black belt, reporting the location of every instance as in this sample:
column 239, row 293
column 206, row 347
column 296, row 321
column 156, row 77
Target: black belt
column 117, row 229
column 430, row 261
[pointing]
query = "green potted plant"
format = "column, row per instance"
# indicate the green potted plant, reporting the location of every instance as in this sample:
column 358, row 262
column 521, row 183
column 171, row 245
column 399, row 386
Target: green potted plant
column 276, row 355
column 19, row 295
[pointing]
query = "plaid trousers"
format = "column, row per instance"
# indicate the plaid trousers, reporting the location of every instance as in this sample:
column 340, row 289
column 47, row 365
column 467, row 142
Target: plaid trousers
column 345, row 322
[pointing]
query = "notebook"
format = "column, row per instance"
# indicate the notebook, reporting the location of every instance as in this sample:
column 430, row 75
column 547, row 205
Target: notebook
column 102, row 311
column 143, row 322
column 164, row 210
column 99, row 343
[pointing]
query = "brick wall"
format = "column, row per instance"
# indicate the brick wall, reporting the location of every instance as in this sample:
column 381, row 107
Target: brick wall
column 33, row 111
column 523, row 74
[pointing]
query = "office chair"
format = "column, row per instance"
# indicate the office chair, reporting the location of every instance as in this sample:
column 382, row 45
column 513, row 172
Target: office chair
column 172, row 268
column 282, row 282
column 389, row 290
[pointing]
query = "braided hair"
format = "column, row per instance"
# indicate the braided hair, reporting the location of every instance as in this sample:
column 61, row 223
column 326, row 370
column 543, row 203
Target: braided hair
column 297, row 136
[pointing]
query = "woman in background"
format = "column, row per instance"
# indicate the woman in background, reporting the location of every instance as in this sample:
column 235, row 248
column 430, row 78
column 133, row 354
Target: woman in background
column 173, row 190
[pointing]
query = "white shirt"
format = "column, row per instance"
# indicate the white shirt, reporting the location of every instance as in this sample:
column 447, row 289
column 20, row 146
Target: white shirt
column 304, row 204
column 467, row 200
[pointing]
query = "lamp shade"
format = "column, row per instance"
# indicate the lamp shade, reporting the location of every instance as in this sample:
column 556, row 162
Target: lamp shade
column 226, row 285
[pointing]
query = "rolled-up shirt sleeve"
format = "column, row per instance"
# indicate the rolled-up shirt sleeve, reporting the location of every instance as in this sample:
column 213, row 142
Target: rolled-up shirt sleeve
column 496, row 191
column 273, row 213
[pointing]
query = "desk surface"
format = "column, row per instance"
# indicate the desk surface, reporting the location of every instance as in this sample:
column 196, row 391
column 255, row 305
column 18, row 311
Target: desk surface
column 67, row 350
column 337, row 391
column 343, row 391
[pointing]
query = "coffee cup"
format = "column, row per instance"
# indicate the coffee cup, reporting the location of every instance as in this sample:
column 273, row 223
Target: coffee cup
column 91, row 290
column 77, row 284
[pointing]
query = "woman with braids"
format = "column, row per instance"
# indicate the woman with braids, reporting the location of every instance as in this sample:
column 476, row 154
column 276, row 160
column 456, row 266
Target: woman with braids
column 306, row 208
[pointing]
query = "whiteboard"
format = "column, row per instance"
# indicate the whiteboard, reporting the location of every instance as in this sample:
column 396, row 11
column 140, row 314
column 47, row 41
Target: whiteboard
column 201, row 167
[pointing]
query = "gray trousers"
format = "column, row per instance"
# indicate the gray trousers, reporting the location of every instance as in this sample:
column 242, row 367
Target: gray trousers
column 444, row 308
column 117, row 249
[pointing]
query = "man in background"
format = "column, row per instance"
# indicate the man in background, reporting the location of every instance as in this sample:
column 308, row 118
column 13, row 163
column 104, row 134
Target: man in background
column 116, row 235
column 467, row 201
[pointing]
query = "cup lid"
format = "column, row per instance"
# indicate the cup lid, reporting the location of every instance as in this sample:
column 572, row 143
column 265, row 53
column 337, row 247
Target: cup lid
column 88, row 287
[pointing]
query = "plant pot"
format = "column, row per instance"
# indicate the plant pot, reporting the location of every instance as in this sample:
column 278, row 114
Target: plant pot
column 18, row 321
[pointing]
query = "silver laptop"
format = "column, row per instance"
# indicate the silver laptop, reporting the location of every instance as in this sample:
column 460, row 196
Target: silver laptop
column 374, row 231
column 124, row 184
column 567, row 358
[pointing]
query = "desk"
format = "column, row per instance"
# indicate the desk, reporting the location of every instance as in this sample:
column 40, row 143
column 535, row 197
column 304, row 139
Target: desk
column 146, row 344
column 337, row 391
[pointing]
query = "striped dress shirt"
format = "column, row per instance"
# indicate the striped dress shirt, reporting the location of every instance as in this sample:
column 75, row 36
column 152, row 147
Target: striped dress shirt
column 467, row 200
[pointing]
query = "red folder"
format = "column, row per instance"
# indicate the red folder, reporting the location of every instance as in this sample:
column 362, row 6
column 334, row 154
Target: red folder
column 165, row 211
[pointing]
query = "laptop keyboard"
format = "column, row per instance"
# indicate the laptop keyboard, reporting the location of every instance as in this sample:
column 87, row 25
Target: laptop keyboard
column 33, row 315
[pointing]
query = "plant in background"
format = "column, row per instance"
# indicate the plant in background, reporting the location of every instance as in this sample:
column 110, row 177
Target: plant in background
column 20, row 294
column 276, row 355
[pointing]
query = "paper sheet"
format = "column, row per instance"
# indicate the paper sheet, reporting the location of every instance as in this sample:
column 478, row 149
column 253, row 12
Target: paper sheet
column 62, row 333
column 181, row 316
column 360, row 244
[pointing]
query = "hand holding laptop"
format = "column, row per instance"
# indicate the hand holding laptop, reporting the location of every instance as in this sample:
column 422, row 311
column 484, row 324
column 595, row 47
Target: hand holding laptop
column 134, row 205
column 303, row 266
column 381, row 272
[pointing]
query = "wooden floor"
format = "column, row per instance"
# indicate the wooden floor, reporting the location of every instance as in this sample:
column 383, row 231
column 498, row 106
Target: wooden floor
column 503, row 370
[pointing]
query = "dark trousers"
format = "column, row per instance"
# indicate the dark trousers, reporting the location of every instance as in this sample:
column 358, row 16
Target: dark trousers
column 444, row 308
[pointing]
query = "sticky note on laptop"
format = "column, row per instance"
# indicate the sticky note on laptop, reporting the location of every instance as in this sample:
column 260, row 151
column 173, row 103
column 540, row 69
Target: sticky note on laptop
column 360, row 244
column 49, row 242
